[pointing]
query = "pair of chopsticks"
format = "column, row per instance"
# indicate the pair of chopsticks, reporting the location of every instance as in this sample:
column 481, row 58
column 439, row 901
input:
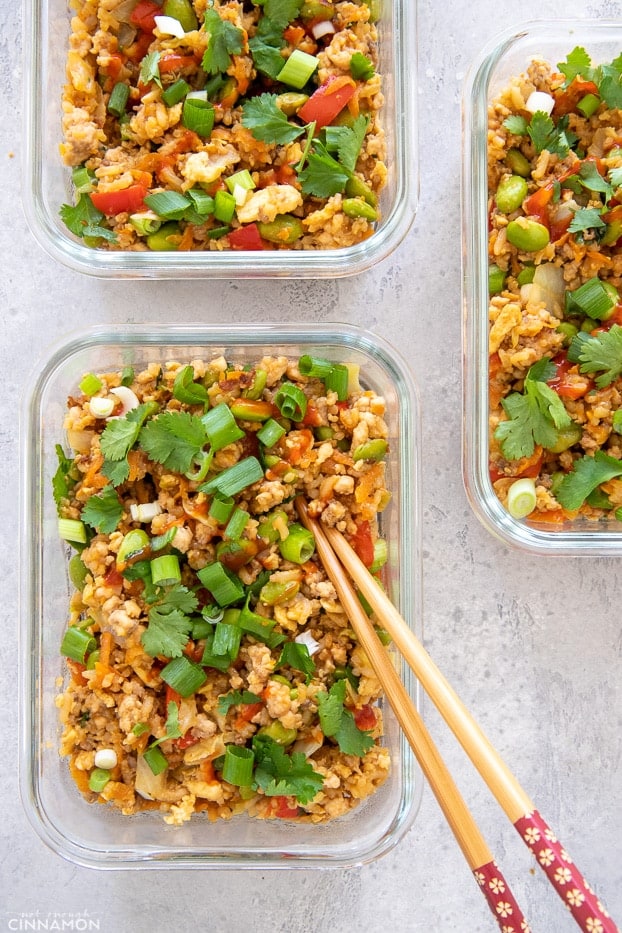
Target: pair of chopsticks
column 337, row 556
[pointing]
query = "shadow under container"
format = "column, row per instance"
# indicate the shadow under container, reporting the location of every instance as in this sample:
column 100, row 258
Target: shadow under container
column 47, row 181
column 507, row 57
column 98, row 836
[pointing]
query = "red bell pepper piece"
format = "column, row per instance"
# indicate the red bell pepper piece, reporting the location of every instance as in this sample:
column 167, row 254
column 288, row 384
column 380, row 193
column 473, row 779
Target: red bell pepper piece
column 327, row 102
column 365, row 718
column 173, row 61
column 283, row 810
column 143, row 15
column 363, row 544
column 117, row 202
column 246, row 237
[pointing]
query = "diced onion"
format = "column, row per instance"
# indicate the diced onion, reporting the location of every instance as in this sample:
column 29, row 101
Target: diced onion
column 101, row 407
column 149, row 785
column 127, row 398
column 106, row 758
column 324, row 28
column 240, row 194
column 80, row 441
column 307, row 639
column 538, row 100
column 548, row 286
column 169, row 26
column 145, row 511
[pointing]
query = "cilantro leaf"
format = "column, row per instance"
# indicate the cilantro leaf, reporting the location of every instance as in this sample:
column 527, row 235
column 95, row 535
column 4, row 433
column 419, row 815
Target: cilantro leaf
column 610, row 90
column 267, row 123
column 534, row 417
column 117, row 471
column 172, row 729
column 173, row 438
column 80, row 216
column 346, row 141
column 587, row 474
column 516, row 124
column 351, row 739
column 586, row 218
column 62, row 481
column 236, row 698
column 590, row 178
column 186, row 390
column 179, row 597
column 279, row 774
column 96, row 230
column 578, row 63
column 103, row 512
column 361, row 68
column 297, row 656
column 265, row 48
column 339, row 723
column 150, row 69
column 167, row 632
column 615, row 177
column 281, row 12
column 225, row 40
column 602, row 353
column 545, row 135
column 120, row 434
column 323, row 176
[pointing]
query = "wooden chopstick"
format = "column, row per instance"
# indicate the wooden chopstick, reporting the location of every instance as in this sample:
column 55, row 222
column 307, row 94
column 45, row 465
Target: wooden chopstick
column 569, row 883
column 474, row 848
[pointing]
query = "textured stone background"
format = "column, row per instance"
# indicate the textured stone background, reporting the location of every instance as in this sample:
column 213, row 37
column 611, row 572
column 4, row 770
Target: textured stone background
column 533, row 645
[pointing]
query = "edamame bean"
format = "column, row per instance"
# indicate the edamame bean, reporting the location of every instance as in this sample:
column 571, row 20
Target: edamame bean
column 511, row 193
column 166, row 238
column 290, row 103
column 526, row 274
column 496, row 280
column 527, row 235
column 566, row 438
column 356, row 188
column 285, row 228
column 181, row 10
column 357, row 207
column 568, row 330
column 518, row 163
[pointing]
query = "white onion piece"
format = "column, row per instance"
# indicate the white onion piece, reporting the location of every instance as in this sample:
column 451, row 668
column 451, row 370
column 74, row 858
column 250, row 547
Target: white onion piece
column 106, row 758
column 145, row 511
column 310, row 744
column 325, row 28
column 169, row 26
column 549, row 287
column 307, row 639
column 240, row 195
column 80, row 441
column 539, row 100
column 101, row 407
column 127, row 398
column 150, row 786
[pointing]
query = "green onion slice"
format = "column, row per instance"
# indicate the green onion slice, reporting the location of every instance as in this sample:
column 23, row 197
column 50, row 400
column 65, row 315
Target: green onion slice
column 236, row 524
column 522, row 497
column 237, row 768
column 98, row 778
column 298, row 69
column 337, row 381
column 73, row 530
column 117, row 102
column 77, row 643
column 221, row 508
column 224, row 586
column 235, row 478
column 299, row 545
column 90, row 385
column 270, row 432
column 156, row 759
column 291, row 401
column 171, row 205
column 175, row 92
column 198, row 115
column 165, row 570
column 220, row 427
column 314, row 366
column 183, row 675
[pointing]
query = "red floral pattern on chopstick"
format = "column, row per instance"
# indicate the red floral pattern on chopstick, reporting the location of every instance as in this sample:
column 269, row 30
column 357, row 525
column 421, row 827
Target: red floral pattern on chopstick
column 564, row 875
column 500, row 899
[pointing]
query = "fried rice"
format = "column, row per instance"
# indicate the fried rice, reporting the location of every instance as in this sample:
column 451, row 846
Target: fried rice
column 205, row 116
column 168, row 682
column 555, row 341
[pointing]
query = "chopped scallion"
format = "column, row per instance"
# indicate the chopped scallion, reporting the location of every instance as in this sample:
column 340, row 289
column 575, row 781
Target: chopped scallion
column 236, row 524
column 237, row 768
column 224, row 586
column 203, row 202
column 291, row 401
column 220, row 427
column 298, row 69
column 337, row 381
column 221, row 507
column 156, row 759
column 98, row 778
column 235, row 478
column 175, row 92
column 77, row 643
column 198, row 115
column 224, row 208
column 522, row 497
column 72, row 529
column 117, row 102
column 270, row 432
column 375, row 449
column 227, row 636
column 83, row 179
column 183, row 675
column 380, row 555
column 165, row 570
column 314, row 366
column 242, row 179
column 90, row 384
column 170, row 205
column 298, row 546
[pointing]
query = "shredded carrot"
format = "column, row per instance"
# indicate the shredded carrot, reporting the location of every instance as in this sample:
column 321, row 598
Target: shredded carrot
column 238, row 71
column 187, row 239
column 80, row 777
column 106, row 643
column 354, row 103
column 93, row 479
column 338, row 83
column 294, row 35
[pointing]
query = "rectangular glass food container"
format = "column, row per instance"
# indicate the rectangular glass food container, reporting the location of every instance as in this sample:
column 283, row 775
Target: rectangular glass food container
column 98, row 836
column 47, row 181
column 509, row 56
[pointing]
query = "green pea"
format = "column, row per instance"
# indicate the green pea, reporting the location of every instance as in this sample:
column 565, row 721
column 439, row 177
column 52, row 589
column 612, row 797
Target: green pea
column 183, row 11
column 285, row 229
column 567, row 437
column 511, row 193
column 568, row 330
column 290, row 103
column 356, row 188
column 166, row 238
column 496, row 280
column 526, row 275
column 527, row 235
column 357, row 207
column 518, row 163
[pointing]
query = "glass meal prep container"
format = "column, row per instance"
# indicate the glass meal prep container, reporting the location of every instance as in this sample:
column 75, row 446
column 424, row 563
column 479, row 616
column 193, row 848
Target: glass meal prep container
column 100, row 836
column 502, row 60
column 48, row 184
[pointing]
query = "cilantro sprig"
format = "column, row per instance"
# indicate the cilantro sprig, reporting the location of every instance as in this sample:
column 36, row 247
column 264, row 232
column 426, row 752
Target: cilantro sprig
column 170, row 622
column 338, row 722
column 279, row 774
column 606, row 77
column 535, row 416
column 103, row 511
column 64, row 478
column 236, row 698
column 265, row 46
column 599, row 353
column 84, row 219
column 587, row 475
column 543, row 132
column 173, row 438
column 225, row 40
